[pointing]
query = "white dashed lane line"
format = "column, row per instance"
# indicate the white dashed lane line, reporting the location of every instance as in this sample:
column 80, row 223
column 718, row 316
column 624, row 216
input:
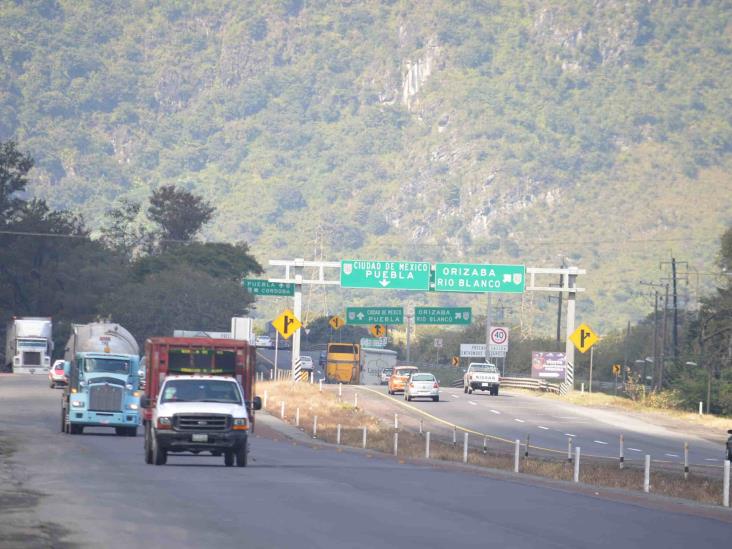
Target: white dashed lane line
column 672, row 455
column 599, row 442
column 473, row 403
column 711, row 459
column 454, row 396
column 634, row 449
column 519, row 420
column 542, row 427
column 569, row 435
column 495, row 411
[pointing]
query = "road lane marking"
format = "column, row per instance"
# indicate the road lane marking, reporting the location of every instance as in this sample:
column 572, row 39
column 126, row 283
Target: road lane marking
column 569, row 435
column 672, row 455
column 542, row 427
column 519, row 420
column 599, row 442
column 634, row 450
column 711, row 459
column 473, row 403
column 454, row 396
column 496, row 412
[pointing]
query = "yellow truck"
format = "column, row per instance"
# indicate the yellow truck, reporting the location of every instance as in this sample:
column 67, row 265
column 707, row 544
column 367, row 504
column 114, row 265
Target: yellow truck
column 342, row 363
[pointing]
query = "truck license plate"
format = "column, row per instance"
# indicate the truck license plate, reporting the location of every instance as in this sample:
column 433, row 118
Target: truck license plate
column 199, row 438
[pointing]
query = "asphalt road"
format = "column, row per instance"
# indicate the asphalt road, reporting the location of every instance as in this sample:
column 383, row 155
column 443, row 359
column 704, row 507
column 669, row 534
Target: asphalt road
column 95, row 490
column 550, row 423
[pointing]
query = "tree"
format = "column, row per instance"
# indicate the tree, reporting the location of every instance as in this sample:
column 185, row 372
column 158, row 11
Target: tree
column 124, row 233
column 14, row 168
column 179, row 214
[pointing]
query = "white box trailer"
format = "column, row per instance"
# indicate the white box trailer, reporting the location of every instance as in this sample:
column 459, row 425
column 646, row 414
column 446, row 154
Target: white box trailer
column 373, row 361
column 29, row 345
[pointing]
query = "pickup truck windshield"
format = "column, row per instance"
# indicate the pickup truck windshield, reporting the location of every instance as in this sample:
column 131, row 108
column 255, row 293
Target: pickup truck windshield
column 485, row 368
column 200, row 390
column 107, row 365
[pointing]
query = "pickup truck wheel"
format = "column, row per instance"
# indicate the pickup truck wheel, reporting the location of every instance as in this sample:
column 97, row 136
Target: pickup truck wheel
column 470, row 390
column 159, row 455
column 131, row 431
column 465, row 389
column 76, row 429
column 436, row 399
column 229, row 458
column 120, row 431
column 495, row 391
column 148, row 447
column 241, row 456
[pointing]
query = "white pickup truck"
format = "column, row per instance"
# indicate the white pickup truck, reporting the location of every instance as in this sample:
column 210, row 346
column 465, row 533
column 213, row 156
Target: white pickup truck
column 482, row 376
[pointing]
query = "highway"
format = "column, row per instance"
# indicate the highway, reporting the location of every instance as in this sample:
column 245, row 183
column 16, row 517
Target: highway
column 94, row 490
column 550, row 423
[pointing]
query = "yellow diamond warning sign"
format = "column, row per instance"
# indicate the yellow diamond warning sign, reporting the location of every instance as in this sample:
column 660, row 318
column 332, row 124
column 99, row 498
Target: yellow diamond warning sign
column 583, row 338
column 378, row 330
column 336, row 322
column 287, row 324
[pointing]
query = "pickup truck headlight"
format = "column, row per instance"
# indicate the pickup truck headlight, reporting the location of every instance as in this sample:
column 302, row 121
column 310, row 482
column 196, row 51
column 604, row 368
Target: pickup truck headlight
column 77, row 403
column 240, row 424
column 164, row 423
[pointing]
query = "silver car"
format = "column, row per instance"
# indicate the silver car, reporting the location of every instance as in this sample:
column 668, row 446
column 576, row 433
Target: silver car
column 422, row 385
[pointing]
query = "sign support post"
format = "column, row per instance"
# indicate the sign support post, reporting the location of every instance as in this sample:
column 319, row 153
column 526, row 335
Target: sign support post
column 571, row 279
column 488, row 327
column 409, row 335
column 297, row 306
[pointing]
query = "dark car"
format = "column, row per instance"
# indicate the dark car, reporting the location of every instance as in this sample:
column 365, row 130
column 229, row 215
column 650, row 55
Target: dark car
column 729, row 446
column 323, row 359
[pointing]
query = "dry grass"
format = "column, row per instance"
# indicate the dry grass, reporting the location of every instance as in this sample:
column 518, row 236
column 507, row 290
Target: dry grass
column 411, row 445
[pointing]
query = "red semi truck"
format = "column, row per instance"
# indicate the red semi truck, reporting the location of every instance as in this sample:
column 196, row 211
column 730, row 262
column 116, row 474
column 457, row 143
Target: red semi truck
column 199, row 397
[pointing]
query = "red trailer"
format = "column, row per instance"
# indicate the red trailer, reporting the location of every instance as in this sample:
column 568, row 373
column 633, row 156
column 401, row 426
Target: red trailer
column 166, row 356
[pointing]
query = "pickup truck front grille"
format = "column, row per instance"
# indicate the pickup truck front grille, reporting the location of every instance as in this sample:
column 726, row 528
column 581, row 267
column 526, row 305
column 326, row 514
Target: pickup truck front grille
column 105, row 398
column 201, row 422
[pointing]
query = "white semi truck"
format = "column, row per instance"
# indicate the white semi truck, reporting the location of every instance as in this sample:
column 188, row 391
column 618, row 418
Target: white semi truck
column 28, row 345
column 373, row 362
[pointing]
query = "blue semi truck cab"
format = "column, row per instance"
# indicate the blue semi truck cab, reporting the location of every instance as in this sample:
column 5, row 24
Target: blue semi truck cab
column 102, row 367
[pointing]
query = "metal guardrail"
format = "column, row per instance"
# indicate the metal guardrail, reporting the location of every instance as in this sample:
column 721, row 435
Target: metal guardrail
column 520, row 383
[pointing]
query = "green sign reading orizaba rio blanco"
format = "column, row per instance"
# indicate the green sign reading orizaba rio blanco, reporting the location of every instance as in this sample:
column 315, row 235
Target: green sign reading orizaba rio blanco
column 391, row 275
column 477, row 278
column 265, row 287
column 374, row 315
column 442, row 315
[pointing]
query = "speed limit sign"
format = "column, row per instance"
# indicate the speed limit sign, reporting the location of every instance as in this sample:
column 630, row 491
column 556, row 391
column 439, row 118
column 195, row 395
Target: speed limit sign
column 499, row 335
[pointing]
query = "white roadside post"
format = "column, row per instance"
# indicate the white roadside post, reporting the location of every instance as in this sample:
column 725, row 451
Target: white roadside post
column 420, row 426
column 265, row 398
column 363, row 443
column 355, row 400
column 485, row 444
column 647, row 475
column 528, row 443
column 569, row 449
column 297, row 417
column 427, row 445
column 725, row 487
column 686, row 460
column 338, row 433
column 396, row 443
column 320, row 385
column 465, row 448
column 701, row 408
column 517, row 453
column 396, row 422
column 577, row 452
column 315, row 427
column 282, row 409
column 622, row 457
column 340, row 391
column 454, row 435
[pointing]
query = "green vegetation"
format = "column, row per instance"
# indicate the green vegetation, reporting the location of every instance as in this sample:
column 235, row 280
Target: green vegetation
column 470, row 130
column 49, row 265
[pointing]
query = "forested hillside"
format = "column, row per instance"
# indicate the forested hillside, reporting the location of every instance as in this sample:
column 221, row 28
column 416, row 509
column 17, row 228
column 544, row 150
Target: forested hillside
column 507, row 131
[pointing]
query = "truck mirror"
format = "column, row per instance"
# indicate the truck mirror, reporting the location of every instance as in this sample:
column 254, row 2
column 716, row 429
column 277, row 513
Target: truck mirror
column 145, row 401
column 257, row 403
column 67, row 368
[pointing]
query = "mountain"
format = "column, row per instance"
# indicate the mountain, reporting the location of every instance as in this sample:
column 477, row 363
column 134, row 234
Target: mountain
column 519, row 131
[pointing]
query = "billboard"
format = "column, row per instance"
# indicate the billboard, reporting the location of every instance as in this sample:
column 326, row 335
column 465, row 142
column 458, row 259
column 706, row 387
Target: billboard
column 548, row 365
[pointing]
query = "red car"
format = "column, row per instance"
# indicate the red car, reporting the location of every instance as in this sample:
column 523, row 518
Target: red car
column 56, row 375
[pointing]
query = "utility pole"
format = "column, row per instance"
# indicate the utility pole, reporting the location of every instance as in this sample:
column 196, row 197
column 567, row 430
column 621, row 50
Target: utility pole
column 655, row 336
column 659, row 381
column 559, row 308
column 675, row 334
column 625, row 353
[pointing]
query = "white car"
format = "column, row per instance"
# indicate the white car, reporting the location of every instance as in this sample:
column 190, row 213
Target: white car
column 385, row 375
column 56, row 375
column 422, row 385
column 482, row 376
column 264, row 341
column 306, row 362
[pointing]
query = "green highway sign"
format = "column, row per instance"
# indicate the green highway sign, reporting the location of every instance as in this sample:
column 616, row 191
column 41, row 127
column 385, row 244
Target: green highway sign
column 477, row 278
column 442, row 315
column 265, row 287
column 391, row 275
column 374, row 315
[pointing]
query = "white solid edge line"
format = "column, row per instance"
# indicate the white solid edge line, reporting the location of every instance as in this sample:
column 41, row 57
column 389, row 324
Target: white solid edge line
column 519, row 420
column 711, row 459
column 542, row 427
column 569, row 435
column 599, row 442
column 495, row 411
column 672, row 455
column 454, row 396
column 634, row 450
